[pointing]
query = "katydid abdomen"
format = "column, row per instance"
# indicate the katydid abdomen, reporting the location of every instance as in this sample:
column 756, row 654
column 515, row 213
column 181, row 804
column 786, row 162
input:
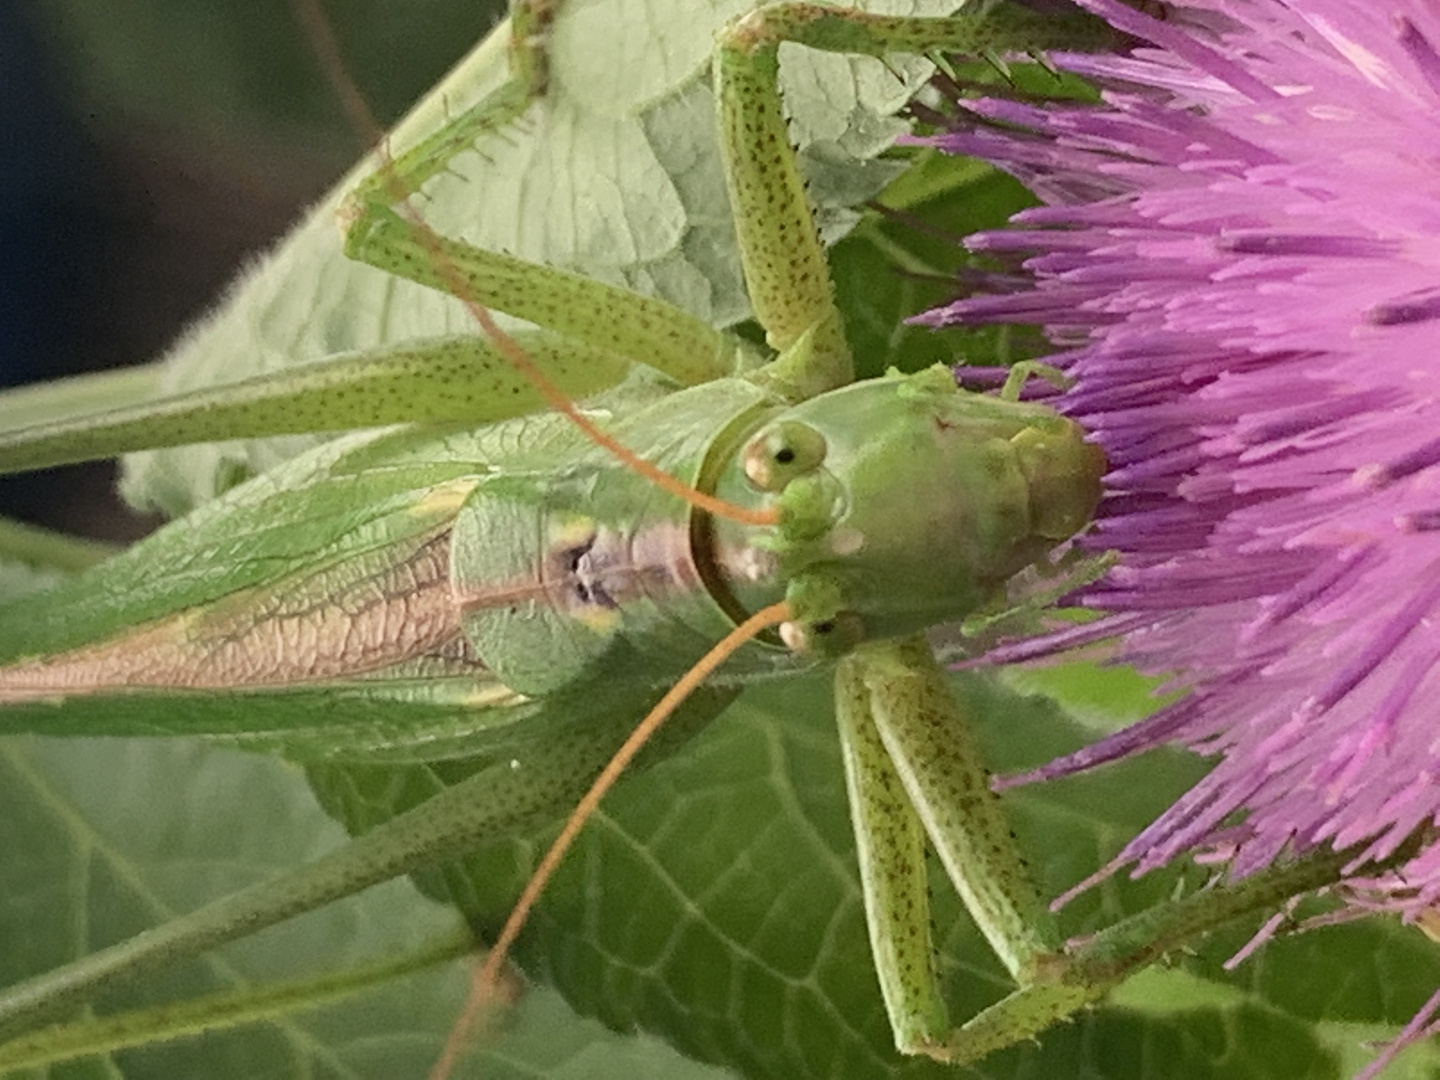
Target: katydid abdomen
column 390, row 583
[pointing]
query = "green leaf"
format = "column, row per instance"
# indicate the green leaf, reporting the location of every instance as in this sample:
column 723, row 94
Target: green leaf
column 714, row 903
column 115, row 836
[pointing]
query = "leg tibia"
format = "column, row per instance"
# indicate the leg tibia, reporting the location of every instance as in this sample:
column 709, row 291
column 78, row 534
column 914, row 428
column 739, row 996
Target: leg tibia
column 642, row 328
column 379, row 231
column 444, row 381
column 909, row 772
column 926, row 736
column 786, row 270
column 785, row 264
column 890, row 847
column 1015, row 1019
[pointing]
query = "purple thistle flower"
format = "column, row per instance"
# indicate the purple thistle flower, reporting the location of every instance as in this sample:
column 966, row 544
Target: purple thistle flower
column 1239, row 261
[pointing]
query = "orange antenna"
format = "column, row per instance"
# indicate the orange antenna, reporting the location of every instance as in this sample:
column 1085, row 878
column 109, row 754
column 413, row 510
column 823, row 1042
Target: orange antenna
column 482, row 990
column 363, row 120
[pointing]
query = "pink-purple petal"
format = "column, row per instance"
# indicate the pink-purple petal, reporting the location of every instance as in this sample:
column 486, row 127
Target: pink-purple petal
column 1238, row 260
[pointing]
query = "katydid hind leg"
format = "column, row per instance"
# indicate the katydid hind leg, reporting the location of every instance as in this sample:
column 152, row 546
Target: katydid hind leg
column 515, row 793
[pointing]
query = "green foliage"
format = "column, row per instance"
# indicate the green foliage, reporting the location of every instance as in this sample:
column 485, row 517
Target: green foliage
column 712, row 904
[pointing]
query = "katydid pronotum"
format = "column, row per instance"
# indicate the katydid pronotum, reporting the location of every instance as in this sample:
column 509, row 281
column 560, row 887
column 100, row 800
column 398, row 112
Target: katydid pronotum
column 400, row 488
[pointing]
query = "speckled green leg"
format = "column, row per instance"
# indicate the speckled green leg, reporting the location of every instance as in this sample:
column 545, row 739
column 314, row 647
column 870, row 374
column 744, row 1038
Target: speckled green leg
column 925, row 734
column 616, row 320
column 450, row 380
column 912, row 773
column 890, row 847
column 787, row 274
column 785, row 264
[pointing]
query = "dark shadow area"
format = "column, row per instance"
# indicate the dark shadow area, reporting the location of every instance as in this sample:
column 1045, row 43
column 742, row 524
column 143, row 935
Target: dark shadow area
column 136, row 183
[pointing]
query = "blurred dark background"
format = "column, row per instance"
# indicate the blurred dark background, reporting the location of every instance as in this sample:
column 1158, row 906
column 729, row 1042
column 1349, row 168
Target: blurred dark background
column 149, row 147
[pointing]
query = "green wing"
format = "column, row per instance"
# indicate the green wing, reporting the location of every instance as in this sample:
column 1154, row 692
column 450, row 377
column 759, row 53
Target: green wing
column 305, row 610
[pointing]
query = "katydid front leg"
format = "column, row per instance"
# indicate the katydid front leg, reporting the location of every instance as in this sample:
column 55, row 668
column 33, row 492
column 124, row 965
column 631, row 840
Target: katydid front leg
column 913, row 772
column 786, row 270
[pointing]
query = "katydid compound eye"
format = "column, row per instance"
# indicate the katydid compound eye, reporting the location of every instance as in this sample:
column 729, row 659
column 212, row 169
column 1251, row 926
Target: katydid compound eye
column 834, row 636
column 785, row 451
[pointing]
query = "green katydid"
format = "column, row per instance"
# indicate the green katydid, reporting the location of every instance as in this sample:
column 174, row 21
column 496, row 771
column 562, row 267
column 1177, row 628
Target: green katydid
column 412, row 498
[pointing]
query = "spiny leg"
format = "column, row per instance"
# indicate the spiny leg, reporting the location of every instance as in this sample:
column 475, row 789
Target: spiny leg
column 912, row 771
column 377, row 232
column 447, row 380
column 786, row 271
column 890, row 848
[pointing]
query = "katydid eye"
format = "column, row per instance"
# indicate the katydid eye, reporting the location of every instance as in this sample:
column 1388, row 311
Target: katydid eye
column 834, row 636
column 785, row 451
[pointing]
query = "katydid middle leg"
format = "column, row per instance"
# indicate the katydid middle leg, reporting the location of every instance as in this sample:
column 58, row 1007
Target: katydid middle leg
column 380, row 232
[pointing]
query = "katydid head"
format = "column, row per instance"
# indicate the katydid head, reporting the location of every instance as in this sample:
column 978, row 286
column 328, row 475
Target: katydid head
column 905, row 502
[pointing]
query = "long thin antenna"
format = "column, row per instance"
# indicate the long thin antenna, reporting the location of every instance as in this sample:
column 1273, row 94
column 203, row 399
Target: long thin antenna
column 487, row 978
column 482, row 990
column 363, row 120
